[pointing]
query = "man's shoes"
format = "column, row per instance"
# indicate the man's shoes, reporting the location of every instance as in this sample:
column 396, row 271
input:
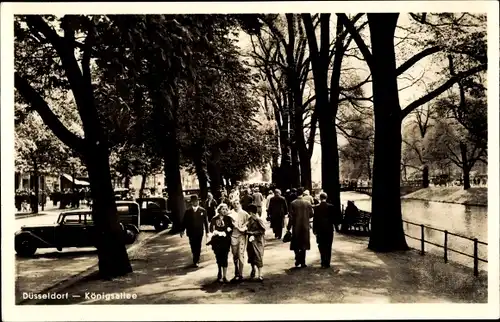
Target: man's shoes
column 219, row 276
column 196, row 265
column 234, row 279
column 297, row 264
column 303, row 265
column 252, row 274
column 224, row 280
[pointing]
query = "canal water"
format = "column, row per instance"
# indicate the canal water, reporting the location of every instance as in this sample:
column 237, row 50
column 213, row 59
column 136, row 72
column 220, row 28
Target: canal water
column 468, row 221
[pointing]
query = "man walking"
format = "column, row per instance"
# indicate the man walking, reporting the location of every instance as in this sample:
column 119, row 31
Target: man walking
column 277, row 210
column 239, row 239
column 301, row 212
column 323, row 223
column 258, row 198
column 195, row 222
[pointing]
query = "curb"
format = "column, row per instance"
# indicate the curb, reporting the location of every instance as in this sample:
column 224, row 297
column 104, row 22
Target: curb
column 31, row 215
column 75, row 278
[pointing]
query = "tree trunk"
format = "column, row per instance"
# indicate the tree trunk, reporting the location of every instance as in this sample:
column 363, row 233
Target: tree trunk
column 36, row 175
column 214, row 174
column 285, row 166
column 465, row 165
column 202, row 176
column 369, row 168
column 127, row 181
column 387, row 223
column 143, row 185
column 295, row 170
column 111, row 251
column 173, row 180
column 73, row 183
column 425, row 177
column 305, row 169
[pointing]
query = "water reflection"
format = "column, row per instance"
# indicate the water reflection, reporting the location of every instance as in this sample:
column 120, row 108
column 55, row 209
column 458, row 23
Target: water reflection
column 468, row 221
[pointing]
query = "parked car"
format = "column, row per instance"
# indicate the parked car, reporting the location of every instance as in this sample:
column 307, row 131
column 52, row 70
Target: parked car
column 154, row 212
column 121, row 193
column 72, row 229
column 129, row 212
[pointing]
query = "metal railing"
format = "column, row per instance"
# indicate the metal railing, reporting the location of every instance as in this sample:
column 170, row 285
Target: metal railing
column 422, row 240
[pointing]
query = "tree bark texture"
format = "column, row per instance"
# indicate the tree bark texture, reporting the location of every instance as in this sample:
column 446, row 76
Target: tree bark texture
column 387, row 225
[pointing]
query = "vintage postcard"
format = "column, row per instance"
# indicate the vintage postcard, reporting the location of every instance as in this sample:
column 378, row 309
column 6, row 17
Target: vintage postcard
column 160, row 158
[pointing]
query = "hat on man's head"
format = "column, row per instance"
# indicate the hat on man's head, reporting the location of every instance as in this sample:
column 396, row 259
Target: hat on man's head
column 194, row 197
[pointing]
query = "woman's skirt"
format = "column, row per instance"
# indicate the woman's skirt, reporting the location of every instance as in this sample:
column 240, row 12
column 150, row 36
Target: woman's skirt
column 221, row 246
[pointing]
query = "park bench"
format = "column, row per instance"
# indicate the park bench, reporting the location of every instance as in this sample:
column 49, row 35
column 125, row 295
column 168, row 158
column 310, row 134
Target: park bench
column 361, row 221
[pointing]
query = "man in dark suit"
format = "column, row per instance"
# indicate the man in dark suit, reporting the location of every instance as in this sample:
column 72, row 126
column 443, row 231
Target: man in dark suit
column 323, row 223
column 277, row 211
column 301, row 211
column 195, row 222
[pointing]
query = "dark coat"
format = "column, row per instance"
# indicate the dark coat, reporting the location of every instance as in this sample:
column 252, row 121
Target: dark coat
column 301, row 212
column 210, row 208
column 277, row 211
column 195, row 222
column 324, row 219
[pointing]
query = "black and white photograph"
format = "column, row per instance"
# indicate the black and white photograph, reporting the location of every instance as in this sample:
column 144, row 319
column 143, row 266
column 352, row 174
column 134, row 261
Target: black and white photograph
column 158, row 159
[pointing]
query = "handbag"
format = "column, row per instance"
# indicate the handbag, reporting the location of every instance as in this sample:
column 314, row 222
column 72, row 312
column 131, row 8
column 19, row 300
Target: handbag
column 288, row 237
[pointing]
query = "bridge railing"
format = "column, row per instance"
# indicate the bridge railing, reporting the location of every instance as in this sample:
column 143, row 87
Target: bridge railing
column 445, row 246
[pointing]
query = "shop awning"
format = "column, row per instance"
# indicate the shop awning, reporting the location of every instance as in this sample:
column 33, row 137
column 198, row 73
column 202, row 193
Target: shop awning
column 77, row 182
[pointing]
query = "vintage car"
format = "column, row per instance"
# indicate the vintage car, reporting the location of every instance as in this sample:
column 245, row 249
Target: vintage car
column 153, row 211
column 73, row 229
column 121, row 193
column 129, row 212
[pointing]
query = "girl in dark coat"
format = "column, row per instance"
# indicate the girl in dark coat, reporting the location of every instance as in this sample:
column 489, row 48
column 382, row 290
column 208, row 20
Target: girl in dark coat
column 221, row 226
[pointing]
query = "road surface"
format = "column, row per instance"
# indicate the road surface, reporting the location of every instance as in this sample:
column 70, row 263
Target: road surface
column 49, row 266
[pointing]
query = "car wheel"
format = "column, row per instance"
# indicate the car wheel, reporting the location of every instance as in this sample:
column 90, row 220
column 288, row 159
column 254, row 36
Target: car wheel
column 161, row 224
column 25, row 246
column 130, row 235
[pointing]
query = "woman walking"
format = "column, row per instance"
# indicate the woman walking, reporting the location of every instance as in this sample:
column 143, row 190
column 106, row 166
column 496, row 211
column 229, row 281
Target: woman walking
column 255, row 248
column 221, row 226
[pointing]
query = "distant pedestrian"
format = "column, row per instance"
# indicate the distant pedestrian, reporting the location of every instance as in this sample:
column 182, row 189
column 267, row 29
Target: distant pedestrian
column 258, row 198
column 195, row 222
column 301, row 212
column 246, row 200
column 277, row 211
column 307, row 197
column 239, row 239
column 210, row 205
column 255, row 232
column 221, row 227
column 323, row 226
column 270, row 194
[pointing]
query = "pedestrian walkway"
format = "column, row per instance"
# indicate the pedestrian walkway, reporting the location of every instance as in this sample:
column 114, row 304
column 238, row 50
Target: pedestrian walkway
column 162, row 275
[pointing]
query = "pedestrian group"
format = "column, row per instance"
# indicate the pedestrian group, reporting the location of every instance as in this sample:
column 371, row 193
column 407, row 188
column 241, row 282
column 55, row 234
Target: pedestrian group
column 236, row 225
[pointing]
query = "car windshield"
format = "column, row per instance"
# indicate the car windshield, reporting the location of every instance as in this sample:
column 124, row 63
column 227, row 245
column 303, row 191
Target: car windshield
column 77, row 218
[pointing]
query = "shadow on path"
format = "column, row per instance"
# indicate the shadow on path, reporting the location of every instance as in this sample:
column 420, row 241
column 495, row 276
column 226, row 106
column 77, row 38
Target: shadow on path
column 162, row 276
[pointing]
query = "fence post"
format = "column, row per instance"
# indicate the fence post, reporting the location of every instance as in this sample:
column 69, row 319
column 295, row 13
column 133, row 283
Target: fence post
column 476, row 263
column 422, row 240
column 446, row 246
